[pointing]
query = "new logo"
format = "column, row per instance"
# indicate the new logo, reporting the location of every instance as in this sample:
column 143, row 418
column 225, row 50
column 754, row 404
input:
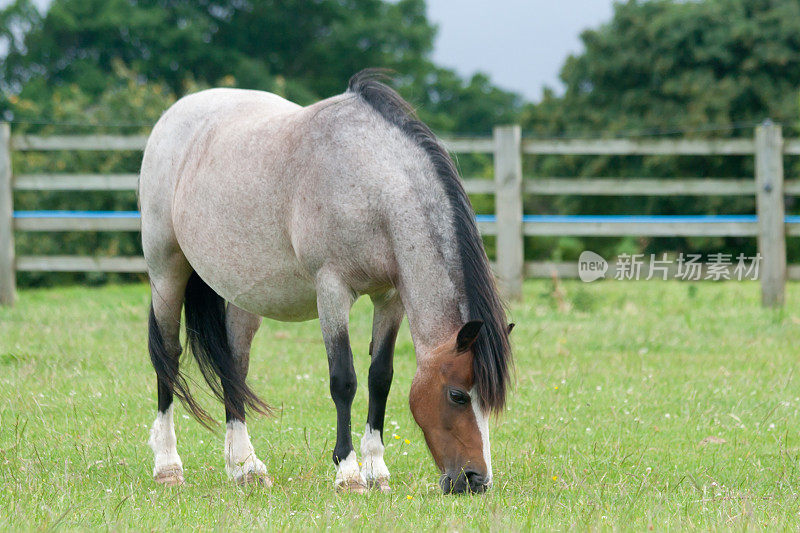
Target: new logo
column 591, row 266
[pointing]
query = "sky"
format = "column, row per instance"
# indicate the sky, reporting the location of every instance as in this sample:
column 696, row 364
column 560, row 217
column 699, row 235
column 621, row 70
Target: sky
column 521, row 44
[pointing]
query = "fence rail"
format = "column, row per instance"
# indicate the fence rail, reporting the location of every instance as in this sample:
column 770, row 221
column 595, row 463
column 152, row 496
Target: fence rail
column 76, row 182
column 508, row 224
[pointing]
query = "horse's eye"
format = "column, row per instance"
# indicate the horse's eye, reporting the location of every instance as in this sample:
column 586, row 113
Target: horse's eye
column 459, row 397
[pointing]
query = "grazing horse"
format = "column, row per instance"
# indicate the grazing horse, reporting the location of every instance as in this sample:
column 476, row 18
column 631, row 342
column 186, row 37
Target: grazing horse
column 253, row 206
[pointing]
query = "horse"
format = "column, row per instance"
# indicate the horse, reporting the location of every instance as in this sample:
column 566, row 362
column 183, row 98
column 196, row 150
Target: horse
column 253, row 206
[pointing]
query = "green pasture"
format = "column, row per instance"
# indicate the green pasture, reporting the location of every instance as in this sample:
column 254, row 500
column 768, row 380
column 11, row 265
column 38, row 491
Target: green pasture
column 637, row 405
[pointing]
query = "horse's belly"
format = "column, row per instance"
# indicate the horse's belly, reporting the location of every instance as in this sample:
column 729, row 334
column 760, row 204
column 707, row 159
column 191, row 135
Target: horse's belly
column 279, row 299
column 256, row 271
column 274, row 292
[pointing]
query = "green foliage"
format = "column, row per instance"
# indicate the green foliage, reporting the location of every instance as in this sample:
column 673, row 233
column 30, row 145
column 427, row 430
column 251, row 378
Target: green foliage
column 301, row 50
column 94, row 66
column 126, row 102
column 449, row 104
column 663, row 64
column 702, row 67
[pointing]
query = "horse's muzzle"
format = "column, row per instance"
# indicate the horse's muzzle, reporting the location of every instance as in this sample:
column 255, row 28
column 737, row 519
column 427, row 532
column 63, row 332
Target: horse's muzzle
column 463, row 482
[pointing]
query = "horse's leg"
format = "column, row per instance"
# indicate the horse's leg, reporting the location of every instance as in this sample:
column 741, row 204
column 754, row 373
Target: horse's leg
column 241, row 462
column 167, row 287
column 386, row 321
column 334, row 300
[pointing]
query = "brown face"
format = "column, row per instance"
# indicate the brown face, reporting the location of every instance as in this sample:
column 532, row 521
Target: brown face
column 447, row 409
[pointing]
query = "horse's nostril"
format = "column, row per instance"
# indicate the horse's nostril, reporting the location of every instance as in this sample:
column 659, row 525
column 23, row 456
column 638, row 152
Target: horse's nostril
column 473, row 476
column 447, row 484
column 463, row 481
column 476, row 482
column 454, row 483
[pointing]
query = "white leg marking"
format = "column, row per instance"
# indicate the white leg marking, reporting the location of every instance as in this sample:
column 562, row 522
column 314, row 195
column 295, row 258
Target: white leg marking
column 374, row 468
column 168, row 467
column 483, row 426
column 348, row 476
column 241, row 462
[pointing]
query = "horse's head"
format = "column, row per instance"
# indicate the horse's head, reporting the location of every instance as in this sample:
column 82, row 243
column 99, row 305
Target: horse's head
column 445, row 403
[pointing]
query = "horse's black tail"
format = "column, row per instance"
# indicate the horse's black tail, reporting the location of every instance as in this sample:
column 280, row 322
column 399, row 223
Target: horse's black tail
column 170, row 379
column 207, row 338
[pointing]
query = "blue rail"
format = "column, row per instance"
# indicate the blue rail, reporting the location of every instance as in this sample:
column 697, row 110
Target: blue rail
column 570, row 219
column 638, row 219
column 76, row 214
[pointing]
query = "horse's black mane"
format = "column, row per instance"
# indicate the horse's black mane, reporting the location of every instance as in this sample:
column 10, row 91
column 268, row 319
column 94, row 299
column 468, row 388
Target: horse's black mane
column 492, row 351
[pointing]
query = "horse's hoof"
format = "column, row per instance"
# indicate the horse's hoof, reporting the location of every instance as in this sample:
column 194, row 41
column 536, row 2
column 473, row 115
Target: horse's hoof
column 171, row 476
column 250, row 472
column 254, row 478
column 381, row 484
column 354, row 486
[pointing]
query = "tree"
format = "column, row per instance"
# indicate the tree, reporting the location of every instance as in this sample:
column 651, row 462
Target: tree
column 126, row 105
column 701, row 68
column 302, row 50
column 664, row 65
column 115, row 65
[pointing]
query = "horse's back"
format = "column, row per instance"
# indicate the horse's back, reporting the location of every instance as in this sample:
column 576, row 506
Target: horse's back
column 259, row 194
column 177, row 130
column 198, row 162
column 174, row 139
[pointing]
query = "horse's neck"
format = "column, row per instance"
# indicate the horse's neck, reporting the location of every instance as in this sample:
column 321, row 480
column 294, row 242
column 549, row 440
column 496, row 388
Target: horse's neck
column 433, row 313
column 432, row 298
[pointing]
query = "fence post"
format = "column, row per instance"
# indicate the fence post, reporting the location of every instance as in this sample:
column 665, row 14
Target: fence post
column 770, row 210
column 8, row 280
column 508, row 210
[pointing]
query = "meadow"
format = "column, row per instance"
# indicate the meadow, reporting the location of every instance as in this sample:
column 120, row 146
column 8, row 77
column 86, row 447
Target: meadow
column 637, row 405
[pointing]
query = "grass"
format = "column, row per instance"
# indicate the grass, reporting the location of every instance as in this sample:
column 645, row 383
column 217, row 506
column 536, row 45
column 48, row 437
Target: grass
column 637, row 405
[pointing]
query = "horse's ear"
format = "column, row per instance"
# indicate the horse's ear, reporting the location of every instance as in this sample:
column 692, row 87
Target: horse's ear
column 468, row 334
column 510, row 327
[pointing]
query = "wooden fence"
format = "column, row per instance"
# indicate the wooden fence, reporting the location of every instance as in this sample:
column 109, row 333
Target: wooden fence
column 509, row 224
